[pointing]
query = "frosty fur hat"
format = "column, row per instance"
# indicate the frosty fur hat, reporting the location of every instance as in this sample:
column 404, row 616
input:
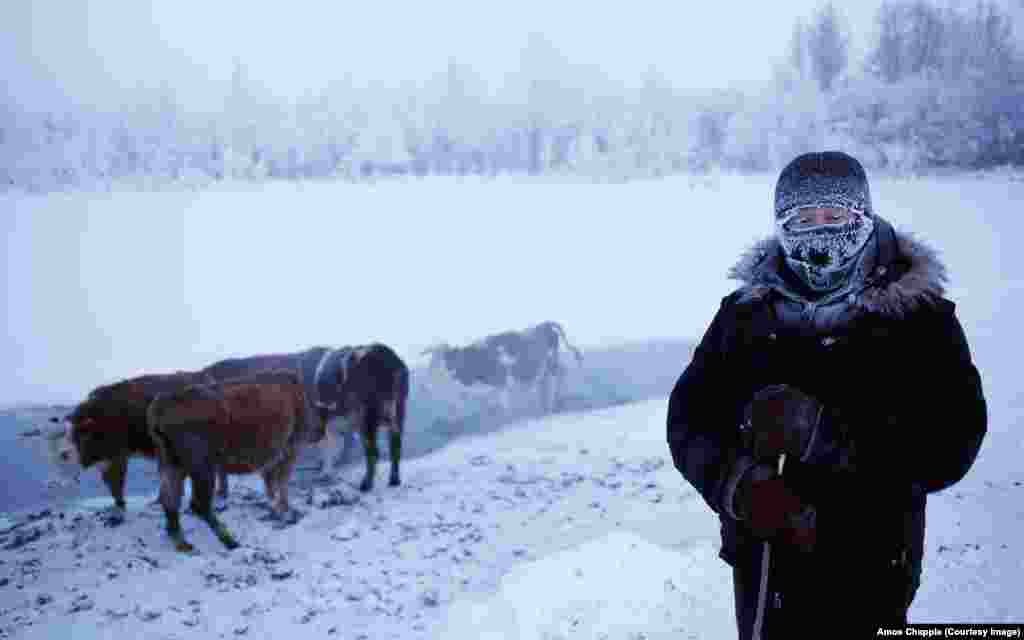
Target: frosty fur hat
column 825, row 255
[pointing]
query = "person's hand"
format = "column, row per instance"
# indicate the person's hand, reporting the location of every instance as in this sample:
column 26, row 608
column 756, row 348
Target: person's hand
column 782, row 419
column 772, row 511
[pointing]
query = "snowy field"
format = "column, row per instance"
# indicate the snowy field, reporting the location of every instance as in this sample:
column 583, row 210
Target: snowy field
column 572, row 526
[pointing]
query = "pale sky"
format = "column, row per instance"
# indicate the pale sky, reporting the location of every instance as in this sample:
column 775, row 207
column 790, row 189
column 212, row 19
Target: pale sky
column 90, row 49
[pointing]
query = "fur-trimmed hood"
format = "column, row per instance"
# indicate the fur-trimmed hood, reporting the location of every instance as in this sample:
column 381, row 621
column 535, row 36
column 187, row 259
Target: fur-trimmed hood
column 904, row 273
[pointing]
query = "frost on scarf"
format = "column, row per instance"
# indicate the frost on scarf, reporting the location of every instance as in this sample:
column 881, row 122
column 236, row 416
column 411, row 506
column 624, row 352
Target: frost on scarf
column 823, row 256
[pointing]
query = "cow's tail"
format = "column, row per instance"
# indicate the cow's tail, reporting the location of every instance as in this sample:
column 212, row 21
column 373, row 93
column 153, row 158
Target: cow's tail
column 401, row 397
column 154, row 412
column 394, row 404
column 561, row 332
column 308, row 419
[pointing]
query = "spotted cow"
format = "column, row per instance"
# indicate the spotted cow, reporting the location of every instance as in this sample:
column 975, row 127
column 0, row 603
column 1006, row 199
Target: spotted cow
column 530, row 357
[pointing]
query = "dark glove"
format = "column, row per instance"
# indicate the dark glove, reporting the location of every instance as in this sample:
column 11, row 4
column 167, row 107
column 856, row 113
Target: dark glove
column 782, row 419
column 773, row 512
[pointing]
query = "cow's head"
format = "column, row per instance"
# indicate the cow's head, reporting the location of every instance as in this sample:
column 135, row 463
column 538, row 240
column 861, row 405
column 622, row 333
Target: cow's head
column 97, row 428
column 62, row 451
column 437, row 353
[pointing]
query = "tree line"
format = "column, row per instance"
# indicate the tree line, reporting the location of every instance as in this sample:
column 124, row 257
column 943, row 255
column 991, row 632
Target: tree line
column 939, row 87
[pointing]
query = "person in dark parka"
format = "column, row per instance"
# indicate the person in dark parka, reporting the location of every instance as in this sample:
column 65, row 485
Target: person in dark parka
column 839, row 351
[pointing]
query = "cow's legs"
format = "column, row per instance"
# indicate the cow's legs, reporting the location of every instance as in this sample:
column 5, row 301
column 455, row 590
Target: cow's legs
column 348, row 438
column 395, row 441
column 395, row 450
column 172, row 485
column 328, row 446
column 270, row 486
column 368, row 429
column 220, row 501
column 278, row 476
column 203, row 480
column 113, row 476
column 330, row 457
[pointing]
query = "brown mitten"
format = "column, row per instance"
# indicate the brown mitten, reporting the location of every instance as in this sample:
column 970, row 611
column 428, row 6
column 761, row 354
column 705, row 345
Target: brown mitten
column 782, row 419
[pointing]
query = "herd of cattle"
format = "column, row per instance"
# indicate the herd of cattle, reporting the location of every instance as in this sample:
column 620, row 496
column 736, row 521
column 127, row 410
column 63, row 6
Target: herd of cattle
column 255, row 414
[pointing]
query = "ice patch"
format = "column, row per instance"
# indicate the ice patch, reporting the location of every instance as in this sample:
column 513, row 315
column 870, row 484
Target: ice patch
column 104, row 502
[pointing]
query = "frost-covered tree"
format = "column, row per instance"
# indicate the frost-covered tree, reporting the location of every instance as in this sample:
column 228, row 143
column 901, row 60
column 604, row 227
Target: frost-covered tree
column 825, row 47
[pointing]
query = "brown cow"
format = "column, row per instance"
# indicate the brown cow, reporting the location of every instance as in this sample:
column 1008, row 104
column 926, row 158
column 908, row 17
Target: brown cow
column 244, row 425
column 367, row 385
column 109, row 427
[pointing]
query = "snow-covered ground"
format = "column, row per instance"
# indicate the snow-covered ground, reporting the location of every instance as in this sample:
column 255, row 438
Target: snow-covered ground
column 574, row 525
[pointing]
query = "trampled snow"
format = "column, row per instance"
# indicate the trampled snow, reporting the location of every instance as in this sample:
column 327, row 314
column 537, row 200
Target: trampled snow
column 575, row 525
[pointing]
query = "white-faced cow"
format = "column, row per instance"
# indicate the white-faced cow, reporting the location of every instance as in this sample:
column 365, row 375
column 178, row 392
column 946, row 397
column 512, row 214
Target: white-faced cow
column 109, row 427
column 529, row 358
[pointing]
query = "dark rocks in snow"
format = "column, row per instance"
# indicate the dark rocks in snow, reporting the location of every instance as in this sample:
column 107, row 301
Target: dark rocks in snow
column 641, row 466
column 334, row 497
column 22, row 538
column 152, row 562
column 480, row 461
column 252, row 610
column 570, row 479
column 282, row 575
column 514, row 479
column 260, row 557
column 344, row 534
column 430, row 598
column 964, row 548
column 148, row 615
column 81, row 602
column 116, row 614
column 608, row 481
column 112, row 517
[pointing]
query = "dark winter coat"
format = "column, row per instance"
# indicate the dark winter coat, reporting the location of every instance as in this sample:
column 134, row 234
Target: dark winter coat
column 892, row 366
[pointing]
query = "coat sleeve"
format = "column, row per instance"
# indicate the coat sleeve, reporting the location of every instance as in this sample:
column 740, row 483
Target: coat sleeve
column 938, row 427
column 926, row 433
column 701, row 434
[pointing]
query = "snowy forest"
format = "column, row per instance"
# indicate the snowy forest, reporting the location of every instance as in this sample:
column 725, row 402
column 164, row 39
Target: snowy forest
column 939, row 87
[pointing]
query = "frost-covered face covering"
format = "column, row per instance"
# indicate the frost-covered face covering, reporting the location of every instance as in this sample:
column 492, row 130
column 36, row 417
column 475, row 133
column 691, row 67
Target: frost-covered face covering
column 823, row 254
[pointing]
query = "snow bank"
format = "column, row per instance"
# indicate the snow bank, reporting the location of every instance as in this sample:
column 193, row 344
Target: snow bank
column 617, row 586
